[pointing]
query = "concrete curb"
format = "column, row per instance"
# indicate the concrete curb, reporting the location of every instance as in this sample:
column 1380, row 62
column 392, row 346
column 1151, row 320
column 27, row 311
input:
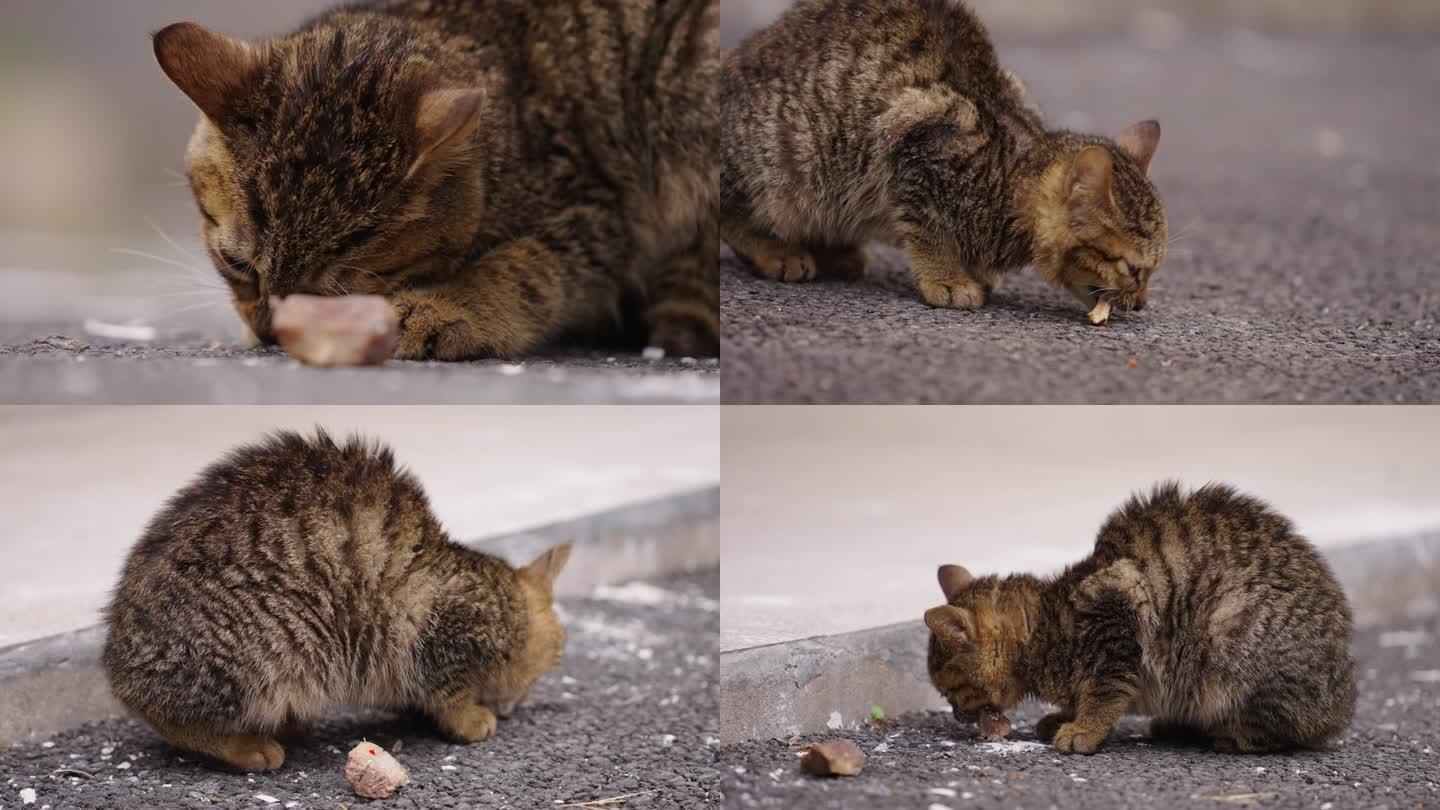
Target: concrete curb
column 51, row 684
column 806, row 686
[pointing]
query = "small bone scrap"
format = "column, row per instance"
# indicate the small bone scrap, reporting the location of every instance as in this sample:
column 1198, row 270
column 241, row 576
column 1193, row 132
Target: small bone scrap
column 373, row 773
column 1101, row 313
column 833, row 758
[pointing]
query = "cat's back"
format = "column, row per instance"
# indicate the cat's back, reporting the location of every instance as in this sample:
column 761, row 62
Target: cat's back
column 286, row 504
column 878, row 42
column 1213, row 545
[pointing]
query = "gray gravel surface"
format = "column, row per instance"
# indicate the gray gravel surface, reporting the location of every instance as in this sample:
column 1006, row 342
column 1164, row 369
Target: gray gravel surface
column 1302, row 193
column 1389, row 759
column 631, row 710
column 59, row 363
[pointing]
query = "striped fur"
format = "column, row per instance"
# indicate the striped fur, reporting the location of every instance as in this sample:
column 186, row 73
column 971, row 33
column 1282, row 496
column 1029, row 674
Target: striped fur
column 297, row 573
column 849, row 121
column 1205, row 611
column 508, row 172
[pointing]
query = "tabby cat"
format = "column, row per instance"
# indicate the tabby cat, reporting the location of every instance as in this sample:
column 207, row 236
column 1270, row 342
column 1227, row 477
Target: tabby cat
column 1205, row 611
column 299, row 572
column 507, row 172
column 848, row 121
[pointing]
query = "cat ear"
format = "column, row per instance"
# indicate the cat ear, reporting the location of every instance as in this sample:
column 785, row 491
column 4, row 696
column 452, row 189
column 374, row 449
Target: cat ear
column 547, row 567
column 446, row 117
column 949, row 623
column 1091, row 176
column 953, row 579
column 210, row 68
column 1139, row 142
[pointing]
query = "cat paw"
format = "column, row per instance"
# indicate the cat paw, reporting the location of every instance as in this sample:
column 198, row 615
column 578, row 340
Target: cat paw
column 471, row 723
column 431, row 329
column 952, row 293
column 1075, row 739
column 252, row 754
column 1049, row 724
column 786, row 267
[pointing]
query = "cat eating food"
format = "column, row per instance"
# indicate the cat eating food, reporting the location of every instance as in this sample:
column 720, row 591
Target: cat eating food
column 508, row 174
column 850, row 121
column 1205, row 611
column 300, row 572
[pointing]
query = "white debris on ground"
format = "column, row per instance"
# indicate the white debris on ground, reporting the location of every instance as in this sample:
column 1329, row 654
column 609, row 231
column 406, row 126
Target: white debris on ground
column 266, row 798
column 1011, row 747
column 27, row 795
column 139, row 333
column 835, row 721
column 653, row 353
column 940, row 791
column 512, row 369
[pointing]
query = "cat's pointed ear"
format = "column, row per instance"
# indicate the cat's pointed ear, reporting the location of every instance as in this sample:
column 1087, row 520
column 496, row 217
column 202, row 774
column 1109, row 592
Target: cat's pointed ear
column 212, row 69
column 950, row 623
column 1139, row 141
column 547, row 567
column 446, row 117
column 1092, row 175
column 953, row 579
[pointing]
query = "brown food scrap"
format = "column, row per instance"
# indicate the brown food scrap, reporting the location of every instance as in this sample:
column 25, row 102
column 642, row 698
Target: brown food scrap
column 833, row 758
column 354, row 330
column 1133, row 362
column 1100, row 315
column 994, row 726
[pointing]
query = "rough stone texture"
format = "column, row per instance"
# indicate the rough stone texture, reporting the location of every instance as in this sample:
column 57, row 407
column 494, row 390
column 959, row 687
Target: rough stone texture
column 1301, row 191
column 1390, row 758
column 632, row 709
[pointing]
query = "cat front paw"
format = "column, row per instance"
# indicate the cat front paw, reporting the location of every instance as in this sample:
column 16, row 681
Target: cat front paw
column 1049, row 724
column 785, row 266
column 1072, row 738
column 433, row 329
column 471, row 723
column 953, row 293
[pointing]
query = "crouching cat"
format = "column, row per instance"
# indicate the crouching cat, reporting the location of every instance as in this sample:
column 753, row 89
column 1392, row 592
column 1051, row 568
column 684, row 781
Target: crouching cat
column 299, row 572
column 1205, row 611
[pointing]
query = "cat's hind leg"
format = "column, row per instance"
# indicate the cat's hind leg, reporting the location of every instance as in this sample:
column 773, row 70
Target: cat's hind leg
column 770, row 257
column 248, row 752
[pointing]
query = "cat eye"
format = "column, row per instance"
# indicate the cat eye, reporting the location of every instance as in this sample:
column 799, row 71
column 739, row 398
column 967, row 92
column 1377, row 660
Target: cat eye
column 236, row 270
column 358, row 239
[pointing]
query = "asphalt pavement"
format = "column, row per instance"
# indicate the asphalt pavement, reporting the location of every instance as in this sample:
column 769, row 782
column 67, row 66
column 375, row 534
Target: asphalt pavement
column 631, row 711
column 43, row 363
column 1302, row 193
column 1389, row 759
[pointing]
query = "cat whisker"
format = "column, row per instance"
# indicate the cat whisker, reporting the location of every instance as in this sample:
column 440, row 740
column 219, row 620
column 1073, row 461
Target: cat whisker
column 152, row 257
column 187, row 254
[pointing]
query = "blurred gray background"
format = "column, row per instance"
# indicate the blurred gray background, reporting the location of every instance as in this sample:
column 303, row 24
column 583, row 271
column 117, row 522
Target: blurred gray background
column 92, row 139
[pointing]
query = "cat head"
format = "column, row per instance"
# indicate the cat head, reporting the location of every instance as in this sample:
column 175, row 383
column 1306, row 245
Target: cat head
column 976, row 639
column 1100, row 228
column 544, row 638
column 317, row 156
